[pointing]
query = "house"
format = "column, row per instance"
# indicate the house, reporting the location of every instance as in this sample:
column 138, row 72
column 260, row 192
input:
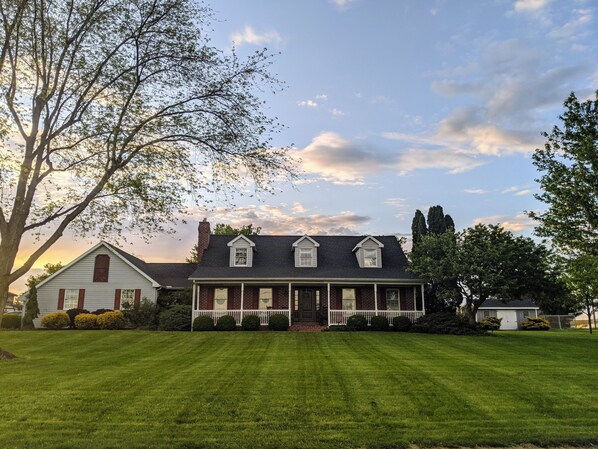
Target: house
column 11, row 304
column 106, row 277
column 513, row 313
column 323, row 279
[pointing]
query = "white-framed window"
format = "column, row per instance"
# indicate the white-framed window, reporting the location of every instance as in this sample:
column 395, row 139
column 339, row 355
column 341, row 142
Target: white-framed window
column 488, row 313
column 392, row 299
column 370, row 257
column 220, row 298
column 241, row 257
column 127, row 298
column 71, row 298
column 265, row 298
column 306, row 257
column 349, row 302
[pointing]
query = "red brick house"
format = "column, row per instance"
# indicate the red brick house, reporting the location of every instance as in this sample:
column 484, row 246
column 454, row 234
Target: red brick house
column 322, row 279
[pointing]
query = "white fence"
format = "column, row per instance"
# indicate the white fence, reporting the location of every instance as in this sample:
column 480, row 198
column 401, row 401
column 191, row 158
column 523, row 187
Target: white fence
column 339, row 317
column 239, row 314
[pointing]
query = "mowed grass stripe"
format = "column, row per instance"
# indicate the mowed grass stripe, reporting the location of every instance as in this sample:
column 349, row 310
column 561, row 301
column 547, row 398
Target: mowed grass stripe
column 127, row 389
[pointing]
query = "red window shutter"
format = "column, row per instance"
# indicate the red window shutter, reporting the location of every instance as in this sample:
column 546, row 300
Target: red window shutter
column 117, row 299
column 137, row 296
column 60, row 299
column 81, row 299
column 101, row 268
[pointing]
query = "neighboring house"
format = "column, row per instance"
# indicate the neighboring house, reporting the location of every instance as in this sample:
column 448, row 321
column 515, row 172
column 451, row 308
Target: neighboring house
column 105, row 277
column 322, row 279
column 11, row 306
column 512, row 313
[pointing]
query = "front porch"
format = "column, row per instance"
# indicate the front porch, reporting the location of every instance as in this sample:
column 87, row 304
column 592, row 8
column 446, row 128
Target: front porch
column 326, row 303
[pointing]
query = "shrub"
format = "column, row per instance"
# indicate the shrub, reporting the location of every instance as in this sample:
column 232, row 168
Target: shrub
column 169, row 298
column 176, row 318
column 401, row 324
column 203, row 323
column 72, row 313
column 379, row 323
column 226, row 323
column 101, row 311
column 56, row 320
column 11, row 322
column 357, row 323
column 278, row 322
column 86, row 321
column 535, row 324
column 144, row 314
column 446, row 323
column 251, row 323
column 491, row 323
column 111, row 320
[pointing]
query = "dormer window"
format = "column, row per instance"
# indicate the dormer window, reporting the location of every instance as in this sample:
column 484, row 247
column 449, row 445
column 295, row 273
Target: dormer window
column 240, row 257
column 306, row 257
column 369, row 252
column 370, row 257
column 306, row 252
column 241, row 252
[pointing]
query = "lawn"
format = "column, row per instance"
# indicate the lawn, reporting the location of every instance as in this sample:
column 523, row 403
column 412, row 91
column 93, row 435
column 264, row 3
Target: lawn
column 133, row 389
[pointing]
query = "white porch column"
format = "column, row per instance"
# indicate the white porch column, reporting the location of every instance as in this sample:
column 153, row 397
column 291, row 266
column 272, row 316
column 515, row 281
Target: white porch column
column 423, row 303
column 328, row 303
column 376, row 298
column 242, row 297
column 194, row 297
column 290, row 313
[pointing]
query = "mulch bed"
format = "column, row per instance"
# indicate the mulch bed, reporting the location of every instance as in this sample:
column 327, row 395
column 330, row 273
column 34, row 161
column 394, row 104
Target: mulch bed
column 5, row 355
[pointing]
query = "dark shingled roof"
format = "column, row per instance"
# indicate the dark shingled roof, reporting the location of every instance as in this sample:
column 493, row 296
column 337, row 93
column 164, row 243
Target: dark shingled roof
column 273, row 258
column 516, row 304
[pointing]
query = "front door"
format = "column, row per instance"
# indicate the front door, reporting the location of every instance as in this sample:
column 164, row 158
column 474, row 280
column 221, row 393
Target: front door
column 307, row 305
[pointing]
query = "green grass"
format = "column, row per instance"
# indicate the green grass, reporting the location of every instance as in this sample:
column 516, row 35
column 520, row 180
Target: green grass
column 127, row 389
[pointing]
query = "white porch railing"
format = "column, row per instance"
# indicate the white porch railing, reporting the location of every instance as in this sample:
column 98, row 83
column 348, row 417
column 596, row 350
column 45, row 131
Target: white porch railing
column 238, row 315
column 339, row 317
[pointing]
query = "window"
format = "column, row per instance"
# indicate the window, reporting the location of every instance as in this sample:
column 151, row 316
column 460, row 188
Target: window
column 306, row 257
column 392, row 299
column 71, row 299
column 101, row 268
column 370, row 257
column 127, row 298
column 265, row 298
column 349, row 302
column 488, row 313
column 220, row 298
column 240, row 257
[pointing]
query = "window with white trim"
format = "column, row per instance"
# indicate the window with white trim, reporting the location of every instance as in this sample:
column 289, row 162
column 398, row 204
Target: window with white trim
column 241, row 257
column 71, row 298
column 127, row 298
column 265, row 298
column 392, row 299
column 370, row 257
column 220, row 298
column 306, row 257
column 349, row 302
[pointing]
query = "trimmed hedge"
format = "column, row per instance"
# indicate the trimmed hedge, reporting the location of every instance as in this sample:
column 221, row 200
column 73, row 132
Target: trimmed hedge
column 176, row 318
column 535, row 324
column 379, row 323
column 491, row 323
column 144, row 315
column 101, row 311
column 226, row 323
column 11, row 321
column 86, row 321
column 251, row 323
column 446, row 323
column 203, row 323
column 56, row 320
column 111, row 320
column 357, row 323
column 401, row 324
column 72, row 313
column 278, row 322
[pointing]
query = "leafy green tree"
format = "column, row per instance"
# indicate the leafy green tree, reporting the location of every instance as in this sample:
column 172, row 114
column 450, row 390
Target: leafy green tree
column 436, row 220
column 32, row 306
column 418, row 227
column 114, row 113
column 226, row 229
column 569, row 182
column 582, row 280
column 483, row 262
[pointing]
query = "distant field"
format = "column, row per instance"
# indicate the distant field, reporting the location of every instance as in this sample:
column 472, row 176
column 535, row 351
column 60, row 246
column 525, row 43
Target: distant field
column 129, row 389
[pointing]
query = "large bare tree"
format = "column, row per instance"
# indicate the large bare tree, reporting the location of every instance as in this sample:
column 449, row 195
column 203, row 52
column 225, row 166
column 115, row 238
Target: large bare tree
column 113, row 113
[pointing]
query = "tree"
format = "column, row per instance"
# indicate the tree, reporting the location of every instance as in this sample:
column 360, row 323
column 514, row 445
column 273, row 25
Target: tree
column 418, row 227
column 114, row 114
column 485, row 262
column 448, row 222
column 569, row 182
column 582, row 279
column 436, row 220
column 31, row 306
column 225, row 229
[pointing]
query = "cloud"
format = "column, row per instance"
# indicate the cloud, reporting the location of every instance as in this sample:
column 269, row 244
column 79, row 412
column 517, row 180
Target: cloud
column 530, row 5
column 571, row 29
column 518, row 223
column 450, row 159
column 403, row 209
column 524, row 192
column 322, row 97
column 342, row 4
column 250, row 36
column 307, row 103
column 476, row 191
column 336, row 112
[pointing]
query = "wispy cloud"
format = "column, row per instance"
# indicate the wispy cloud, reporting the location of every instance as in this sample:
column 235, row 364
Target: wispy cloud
column 476, row 191
column 250, row 36
column 337, row 112
column 530, row 5
column 572, row 29
column 307, row 103
column 322, row 97
column 342, row 4
column 519, row 223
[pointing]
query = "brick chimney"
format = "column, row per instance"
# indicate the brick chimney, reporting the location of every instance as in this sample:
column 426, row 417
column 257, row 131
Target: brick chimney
column 203, row 238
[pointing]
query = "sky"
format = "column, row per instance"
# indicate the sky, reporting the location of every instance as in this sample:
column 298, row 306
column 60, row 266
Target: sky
column 393, row 106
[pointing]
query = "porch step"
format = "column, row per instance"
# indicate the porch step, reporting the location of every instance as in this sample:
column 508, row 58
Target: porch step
column 307, row 327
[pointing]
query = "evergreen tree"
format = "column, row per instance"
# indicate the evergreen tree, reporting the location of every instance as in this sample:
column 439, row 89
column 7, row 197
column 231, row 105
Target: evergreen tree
column 448, row 222
column 436, row 220
column 418, row 227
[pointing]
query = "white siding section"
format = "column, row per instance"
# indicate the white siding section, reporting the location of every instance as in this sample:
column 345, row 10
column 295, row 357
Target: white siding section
column 98, row 295
column 306, row 243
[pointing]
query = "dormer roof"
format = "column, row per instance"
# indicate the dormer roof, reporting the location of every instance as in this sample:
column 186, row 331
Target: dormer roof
column 305, row 237
column 241, row 237
column 369, row 237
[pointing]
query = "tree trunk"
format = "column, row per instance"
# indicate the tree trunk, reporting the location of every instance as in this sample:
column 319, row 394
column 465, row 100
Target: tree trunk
column 4, row 285
column 589, row 313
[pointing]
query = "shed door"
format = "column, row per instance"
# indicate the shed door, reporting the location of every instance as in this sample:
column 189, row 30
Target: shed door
column 509, row 319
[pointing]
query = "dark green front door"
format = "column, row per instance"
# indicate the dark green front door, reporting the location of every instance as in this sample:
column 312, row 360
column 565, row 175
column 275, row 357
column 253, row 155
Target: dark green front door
column 307, row 304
